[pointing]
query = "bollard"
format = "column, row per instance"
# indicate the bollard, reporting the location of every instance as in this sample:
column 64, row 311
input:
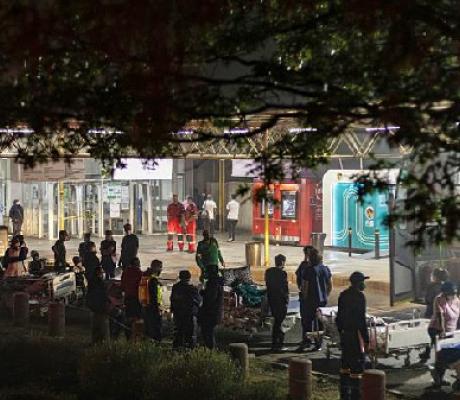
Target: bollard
column 300, row 379
column 99, row 327
column 56, row 319
column 21, row 312
column 137, row 330
column 377, row 244
column 373, row 385
column 350, row 232
column 239, row 354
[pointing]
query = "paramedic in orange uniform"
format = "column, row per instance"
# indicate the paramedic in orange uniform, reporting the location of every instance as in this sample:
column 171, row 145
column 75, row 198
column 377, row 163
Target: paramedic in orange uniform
column 176, row 213
column 191, row 215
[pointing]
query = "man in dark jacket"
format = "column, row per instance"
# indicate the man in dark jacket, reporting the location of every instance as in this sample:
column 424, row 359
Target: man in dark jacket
column 91, row 262
column 278, row 299
column 210, row 313
column 185, row 302
column 153, row 310
column 59, row 250
column 17, row 217
column 97, row 300
column 129, row 246
column 354, row 336
column 83, row 248
column 315, row 284
column 108, row 252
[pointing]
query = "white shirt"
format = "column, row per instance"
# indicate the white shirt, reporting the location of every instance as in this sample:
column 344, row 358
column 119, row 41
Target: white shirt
column 209, row 206
column 233, row 208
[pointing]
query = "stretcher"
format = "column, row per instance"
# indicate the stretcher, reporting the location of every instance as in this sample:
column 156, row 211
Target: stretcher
column 387, row 337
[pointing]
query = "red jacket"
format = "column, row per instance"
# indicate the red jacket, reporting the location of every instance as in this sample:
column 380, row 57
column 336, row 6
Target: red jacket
column 175, row 211
column 130, row 281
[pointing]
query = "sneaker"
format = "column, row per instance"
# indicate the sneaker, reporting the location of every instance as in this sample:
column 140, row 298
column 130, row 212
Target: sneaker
column 229, row 240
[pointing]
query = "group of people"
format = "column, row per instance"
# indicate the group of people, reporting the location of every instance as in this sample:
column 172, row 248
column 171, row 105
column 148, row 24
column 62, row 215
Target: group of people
column 185, row 218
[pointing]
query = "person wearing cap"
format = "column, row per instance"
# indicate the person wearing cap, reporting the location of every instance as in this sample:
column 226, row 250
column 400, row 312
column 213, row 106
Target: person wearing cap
column 59, row 250
column 17, row 216
column 129, row 247
column 108, row 251
column 354, row 336
column 276, row 281
column 446, row 310
column 83, row 247
column 176, row 224
column 185, row 302
column 14, row 259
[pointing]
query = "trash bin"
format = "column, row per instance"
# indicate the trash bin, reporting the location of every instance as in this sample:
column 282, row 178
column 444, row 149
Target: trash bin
column 254, row 254
column 317, row 241
column 3, row 238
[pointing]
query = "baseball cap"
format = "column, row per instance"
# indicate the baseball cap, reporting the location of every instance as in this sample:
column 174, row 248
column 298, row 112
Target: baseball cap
column 449, row 288
column 358, row 276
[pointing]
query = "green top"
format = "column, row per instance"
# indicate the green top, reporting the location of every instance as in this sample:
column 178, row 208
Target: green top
column 208, row 253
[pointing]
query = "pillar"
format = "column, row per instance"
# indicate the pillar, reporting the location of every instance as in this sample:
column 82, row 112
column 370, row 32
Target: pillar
column 80, row 212
column 373, row 385
column 300, row 380
column 239, row 354
column 56, row 319
column 149, row 208
column 100, row 220
column 21, row 312
column 50, row 195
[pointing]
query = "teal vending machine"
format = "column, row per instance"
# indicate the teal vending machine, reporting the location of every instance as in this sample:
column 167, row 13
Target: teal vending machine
column 364, row 217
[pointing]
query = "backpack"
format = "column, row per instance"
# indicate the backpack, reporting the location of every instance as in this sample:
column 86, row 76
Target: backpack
column 143, row 292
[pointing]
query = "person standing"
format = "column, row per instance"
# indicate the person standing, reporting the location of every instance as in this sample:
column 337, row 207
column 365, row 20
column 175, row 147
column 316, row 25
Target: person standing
column 175, row 213
column 210, row 208
column 129, row 246
column 108, row 254
column 233, row 208
column 59, row 251
column 14, row 259
column 97, row 300
column 446, row 311
column 17, row 216
column 185, row 301
column 152, row 304
column 208, row 254
column 211, row 310
column 84, row 246
column 91, row 262
column 130, row 280
column 276, row 281
column 315, row 284
column 354, row 336
column 191, row 216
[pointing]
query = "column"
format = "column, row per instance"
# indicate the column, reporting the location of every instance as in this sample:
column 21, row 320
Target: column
column 79, row 198
column 50, row 195
column 100, row 219
column 149, row 208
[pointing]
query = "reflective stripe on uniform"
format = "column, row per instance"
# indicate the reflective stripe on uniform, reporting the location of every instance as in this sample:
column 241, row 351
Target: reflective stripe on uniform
column 356, row 376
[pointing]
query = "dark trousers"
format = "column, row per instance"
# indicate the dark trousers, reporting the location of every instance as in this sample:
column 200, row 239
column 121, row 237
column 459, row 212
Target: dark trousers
column 207, row 331
column 352, row 366
column 153, row 323
column 310, row 320
column 184, row 329
column 109, row 267
column 17, row 225
column 231, row 228
column 277, row 332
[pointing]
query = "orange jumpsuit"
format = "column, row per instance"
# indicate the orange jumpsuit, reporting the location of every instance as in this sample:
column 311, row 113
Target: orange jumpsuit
column 175, row 213
column 191, row 215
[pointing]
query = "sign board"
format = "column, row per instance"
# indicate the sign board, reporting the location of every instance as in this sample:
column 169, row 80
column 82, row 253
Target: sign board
column 114, row 210
column 137, row 169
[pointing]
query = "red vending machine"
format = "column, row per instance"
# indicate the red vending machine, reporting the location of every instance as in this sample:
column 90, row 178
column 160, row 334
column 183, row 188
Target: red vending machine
column 294, row 213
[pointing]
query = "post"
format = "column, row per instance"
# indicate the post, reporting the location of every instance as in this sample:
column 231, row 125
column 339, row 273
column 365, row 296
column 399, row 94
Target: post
column 221, row 202
column 239, row 354
column 21, row 312
column 350, row 238
column 377, row 244
column 56, row 319
column 300, row 379
column 61, row 213
column 266, row 235
column 373, row 385
column 99, row 327
column 137, row 332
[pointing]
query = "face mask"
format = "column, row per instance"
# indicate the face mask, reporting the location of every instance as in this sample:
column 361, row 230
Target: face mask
column 361, row 286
